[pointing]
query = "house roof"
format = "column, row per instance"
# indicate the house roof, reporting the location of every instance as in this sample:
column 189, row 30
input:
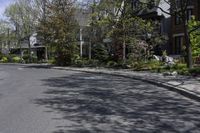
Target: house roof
column 155, row 11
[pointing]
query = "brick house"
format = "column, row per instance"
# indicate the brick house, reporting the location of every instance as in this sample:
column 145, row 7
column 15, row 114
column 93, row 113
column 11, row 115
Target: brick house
column 162, row 20
column 177, row 33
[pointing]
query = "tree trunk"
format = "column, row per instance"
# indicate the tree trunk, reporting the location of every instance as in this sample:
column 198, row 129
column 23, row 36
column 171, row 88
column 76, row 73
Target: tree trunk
column 20, row 46
column 46, row 53
column 124, row 51
column 188, row 47
column 90, row 50
column 8, row 41
column 29, row 51
column 124, row 44
column 81, row 43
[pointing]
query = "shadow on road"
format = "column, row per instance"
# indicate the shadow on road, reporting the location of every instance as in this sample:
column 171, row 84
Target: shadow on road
column 39, row 66
column 107, row 104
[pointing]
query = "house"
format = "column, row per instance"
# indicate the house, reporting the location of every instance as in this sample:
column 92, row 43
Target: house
column 37, row 49
column 161, row 18
column 177, row 31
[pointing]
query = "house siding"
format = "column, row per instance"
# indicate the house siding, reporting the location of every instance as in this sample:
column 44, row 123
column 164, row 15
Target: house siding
column 178, row 29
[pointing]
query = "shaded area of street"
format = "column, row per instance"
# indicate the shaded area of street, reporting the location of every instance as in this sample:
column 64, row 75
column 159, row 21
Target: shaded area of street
column 42, row 100
column 99, row 103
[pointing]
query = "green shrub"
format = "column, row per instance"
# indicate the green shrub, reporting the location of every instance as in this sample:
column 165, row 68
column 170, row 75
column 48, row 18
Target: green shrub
column 195, row 71
column 153, row 64
column 100, row 52
column 86, row 63
column 4, row 59
column 26, row 58
column 183, row 71
column 1, row 55
column 148, row 65
column 79, row 63
column 51, row 61
column 16, row 59
column 179, row 66
column 111, row 64
column 92, row 63
column 34, row 59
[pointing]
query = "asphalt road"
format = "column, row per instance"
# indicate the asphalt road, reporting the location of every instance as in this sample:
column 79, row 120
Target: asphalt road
column 39, row 100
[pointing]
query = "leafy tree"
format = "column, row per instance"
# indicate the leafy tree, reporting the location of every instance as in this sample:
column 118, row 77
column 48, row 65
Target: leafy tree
column 178, row 9
column 7, row 35
column 118, row 20
column 23, row 16
column 195, row 36
column 59, row 28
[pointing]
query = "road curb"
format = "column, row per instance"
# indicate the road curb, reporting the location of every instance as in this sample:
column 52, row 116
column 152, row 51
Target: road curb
column 168, row 86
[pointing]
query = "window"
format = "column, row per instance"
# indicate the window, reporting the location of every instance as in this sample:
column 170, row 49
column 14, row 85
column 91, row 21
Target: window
column 178, row 3
column 178, row 45
column 190, row 2
column 189, row 14
column 177, row 20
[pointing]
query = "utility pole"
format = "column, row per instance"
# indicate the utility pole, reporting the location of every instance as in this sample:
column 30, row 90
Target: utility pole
column 124, row 35
column 124, row 44
column 8, row 39
column 81, row 42
column 18, row 41
column 93, row 31
column 44, row 21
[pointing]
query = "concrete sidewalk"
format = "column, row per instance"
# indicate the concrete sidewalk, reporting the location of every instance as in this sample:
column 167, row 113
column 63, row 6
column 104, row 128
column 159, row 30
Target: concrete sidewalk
column 185, row 85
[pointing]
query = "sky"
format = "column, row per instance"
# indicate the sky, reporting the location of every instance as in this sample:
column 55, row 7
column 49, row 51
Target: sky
column 3, row 5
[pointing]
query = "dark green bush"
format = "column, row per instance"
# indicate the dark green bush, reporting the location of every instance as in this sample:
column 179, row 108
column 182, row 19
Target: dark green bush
column 94, row 63
column 195, row 71
column 100, row 52
column 1, row 55
column 146, row 65
column 51, row 61
column 111, row 64
column 183, row 71
column 79, row 63
column 26, row 58
column 179, row 66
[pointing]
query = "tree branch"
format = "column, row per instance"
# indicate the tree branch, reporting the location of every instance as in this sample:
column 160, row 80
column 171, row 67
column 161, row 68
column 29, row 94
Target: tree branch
column 194, row 29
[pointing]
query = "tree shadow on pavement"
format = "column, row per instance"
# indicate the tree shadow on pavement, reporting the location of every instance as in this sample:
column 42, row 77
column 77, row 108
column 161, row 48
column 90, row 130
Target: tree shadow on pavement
column 39, row 66
column 107, row 104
